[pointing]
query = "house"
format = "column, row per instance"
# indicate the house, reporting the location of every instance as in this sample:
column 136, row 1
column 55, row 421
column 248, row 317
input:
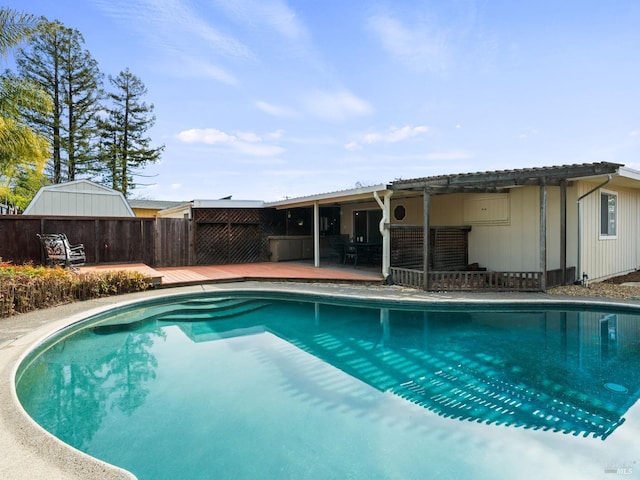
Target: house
column 521, row 229
column 79, row 198
column 151, row 208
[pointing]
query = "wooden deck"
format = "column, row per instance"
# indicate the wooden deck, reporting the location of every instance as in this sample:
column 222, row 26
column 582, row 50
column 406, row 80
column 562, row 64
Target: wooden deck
column 174, row 276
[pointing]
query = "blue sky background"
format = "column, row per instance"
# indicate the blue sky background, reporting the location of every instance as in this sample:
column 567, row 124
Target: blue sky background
column 268, row 99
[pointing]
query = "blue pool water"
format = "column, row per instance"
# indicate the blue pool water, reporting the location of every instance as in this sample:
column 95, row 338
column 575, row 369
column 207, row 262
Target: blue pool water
column 279, row 387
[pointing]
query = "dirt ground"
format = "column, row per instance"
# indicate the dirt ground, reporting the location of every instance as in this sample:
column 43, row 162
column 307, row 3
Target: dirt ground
column 611, row 288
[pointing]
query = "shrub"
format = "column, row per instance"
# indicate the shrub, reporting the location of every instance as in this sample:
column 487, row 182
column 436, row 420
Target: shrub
column 25, row 288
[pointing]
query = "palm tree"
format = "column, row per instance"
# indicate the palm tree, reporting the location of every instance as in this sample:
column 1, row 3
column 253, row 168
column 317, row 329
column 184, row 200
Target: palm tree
column 15, row 27
column 20, row 146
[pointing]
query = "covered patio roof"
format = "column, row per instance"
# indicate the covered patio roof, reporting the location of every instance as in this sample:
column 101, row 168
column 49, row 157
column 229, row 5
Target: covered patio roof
column 500, row 180
column 330, row 198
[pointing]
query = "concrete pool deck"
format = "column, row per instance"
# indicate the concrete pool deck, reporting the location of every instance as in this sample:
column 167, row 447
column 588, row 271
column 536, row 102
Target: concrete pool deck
column 29, row 452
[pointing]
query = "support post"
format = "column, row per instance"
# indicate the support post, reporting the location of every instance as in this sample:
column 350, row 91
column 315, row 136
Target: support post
column 316, row 234
column 563, row 230
column 543, row 235
column 425, row 238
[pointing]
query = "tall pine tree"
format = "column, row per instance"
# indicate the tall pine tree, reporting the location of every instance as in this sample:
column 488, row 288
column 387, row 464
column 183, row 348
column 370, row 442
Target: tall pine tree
column 58, row 63
column 125, row 148
column 81, row 80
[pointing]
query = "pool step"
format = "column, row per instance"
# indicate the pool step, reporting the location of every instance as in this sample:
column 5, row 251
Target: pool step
column 205, row 311
column 193, row 310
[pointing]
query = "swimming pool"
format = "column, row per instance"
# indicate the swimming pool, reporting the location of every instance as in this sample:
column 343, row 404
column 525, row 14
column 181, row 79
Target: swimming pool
column 251, row 386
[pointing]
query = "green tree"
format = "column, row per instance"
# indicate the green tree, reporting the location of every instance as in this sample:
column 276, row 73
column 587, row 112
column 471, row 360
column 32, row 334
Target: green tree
column 82, row 94
column 125, row 148
column 19, row 144
column 15, row 27
column 22, row 149
column 57, row 62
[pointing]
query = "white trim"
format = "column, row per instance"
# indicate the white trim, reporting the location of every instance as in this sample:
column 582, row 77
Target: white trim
column 227, row 204
column 602, row 236
column 629, row 173
column 331, row 197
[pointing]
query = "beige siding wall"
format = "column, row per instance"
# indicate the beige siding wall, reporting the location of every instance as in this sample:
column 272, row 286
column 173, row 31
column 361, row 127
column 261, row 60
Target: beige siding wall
column 605, row 257
column 512, row 245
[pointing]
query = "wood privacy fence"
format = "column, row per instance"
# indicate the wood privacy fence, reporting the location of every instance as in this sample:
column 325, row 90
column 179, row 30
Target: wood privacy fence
column 213, row 237
column 156, row 242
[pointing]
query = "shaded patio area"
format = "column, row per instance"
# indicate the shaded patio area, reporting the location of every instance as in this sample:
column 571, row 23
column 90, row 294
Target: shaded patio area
column 188, row 275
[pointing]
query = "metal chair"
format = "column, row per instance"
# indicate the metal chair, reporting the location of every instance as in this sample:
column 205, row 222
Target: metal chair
column 350, row 253
column 59, row 251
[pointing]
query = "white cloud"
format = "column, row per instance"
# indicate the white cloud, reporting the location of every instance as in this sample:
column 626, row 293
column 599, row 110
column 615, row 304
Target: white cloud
column 276, row 134
column 420, row 48
column 336, row 105
column 188, row 44
column 175, row 186
column 353, row 146
column 247, row 143
column 248, row 137
column 275, row 110
column 195, row 66
column 635, row 133
column 171, row 23
column 206, row 135
column 392, row 135
column 275, row 14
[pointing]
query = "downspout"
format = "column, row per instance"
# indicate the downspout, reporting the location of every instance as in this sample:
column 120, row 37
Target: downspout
column 579, row 267
column 385, row 231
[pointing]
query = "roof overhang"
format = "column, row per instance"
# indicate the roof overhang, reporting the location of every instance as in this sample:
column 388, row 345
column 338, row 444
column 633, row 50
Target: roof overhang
column 503, row 180
column 331, row 198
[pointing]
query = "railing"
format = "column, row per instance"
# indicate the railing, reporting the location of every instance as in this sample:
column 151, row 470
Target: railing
column 468, row 280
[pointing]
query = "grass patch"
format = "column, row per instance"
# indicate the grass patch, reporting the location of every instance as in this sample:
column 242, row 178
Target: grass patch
column 24, row 288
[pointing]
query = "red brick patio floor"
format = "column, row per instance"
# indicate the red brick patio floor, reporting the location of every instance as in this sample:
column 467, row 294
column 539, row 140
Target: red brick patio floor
column 174, row 276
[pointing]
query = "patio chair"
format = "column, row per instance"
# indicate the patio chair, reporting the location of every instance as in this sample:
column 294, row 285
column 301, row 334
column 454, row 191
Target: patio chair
column 350, row 253
column 59, row 251
column 336, row 248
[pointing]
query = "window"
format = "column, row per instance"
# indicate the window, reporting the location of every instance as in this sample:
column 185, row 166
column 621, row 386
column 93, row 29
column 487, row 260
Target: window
column 608, row 214
column 399, row 212
column 366, row 226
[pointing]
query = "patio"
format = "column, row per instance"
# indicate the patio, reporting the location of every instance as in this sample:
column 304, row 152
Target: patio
column 189, row 275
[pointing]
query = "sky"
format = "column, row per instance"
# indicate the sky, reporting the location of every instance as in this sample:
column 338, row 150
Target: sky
column 275, row 99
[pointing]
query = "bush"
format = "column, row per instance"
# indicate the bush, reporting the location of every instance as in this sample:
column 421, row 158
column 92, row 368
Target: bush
column 26, row 287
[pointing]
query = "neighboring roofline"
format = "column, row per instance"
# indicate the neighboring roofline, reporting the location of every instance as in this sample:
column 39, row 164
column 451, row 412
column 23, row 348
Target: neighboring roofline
column 56, row 186
column 227, row 203
column 153, row 204
column 330, row 197
column 213, row 204
column 177, row 208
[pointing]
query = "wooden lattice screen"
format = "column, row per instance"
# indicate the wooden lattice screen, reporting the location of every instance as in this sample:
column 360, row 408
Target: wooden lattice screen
column 448, row 247
column 231, row 235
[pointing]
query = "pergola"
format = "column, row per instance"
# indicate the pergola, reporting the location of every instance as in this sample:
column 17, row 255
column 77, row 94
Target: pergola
column 502, row 181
